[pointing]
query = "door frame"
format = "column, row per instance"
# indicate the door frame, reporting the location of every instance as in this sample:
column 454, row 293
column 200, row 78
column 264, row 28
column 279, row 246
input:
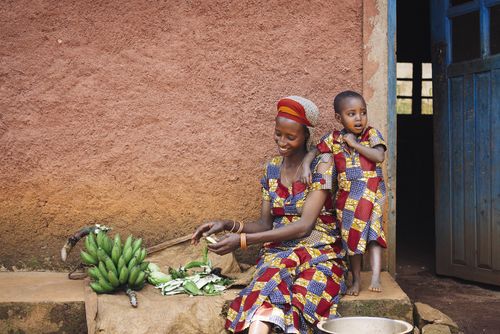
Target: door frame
column 379, row 91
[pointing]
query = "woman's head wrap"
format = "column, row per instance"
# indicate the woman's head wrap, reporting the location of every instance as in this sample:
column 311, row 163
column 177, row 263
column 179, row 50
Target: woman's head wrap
column 300, row 110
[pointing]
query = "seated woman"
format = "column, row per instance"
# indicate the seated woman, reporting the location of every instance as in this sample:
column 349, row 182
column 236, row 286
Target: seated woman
column 300, row 273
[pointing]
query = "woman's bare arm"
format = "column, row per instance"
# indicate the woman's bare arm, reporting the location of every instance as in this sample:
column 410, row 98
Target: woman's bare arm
column 299, row 229
column 263, row 224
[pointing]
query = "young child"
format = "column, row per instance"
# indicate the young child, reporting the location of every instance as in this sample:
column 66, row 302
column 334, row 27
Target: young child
column 358, row 151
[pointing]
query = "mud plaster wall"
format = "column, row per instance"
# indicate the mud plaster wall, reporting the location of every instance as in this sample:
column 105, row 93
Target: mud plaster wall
column 152, row 116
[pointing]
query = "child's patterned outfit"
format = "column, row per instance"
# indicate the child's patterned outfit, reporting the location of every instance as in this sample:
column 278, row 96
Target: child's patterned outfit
column 361, row 192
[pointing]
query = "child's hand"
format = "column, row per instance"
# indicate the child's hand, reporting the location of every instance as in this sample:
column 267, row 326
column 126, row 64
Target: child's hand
column 306, row 176
column 350, row 139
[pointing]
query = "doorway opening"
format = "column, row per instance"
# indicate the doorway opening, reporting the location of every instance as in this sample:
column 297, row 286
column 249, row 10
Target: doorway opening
column 415, row 166
column 462, row 95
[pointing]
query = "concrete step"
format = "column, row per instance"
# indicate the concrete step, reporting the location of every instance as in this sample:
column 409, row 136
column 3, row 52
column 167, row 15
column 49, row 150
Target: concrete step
column 47, row 302
column 41, row 302
column 392, row 302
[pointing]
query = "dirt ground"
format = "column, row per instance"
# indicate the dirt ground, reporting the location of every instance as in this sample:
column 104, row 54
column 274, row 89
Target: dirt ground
column 474, row 307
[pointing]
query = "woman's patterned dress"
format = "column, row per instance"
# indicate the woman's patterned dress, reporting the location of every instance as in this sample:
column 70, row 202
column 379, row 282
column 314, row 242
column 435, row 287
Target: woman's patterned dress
column 297, row 282
column 360, row 197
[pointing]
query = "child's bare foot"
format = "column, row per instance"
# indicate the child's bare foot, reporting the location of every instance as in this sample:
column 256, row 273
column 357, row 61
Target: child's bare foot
column 353, row 290
column 376, row 262
column 375, row 286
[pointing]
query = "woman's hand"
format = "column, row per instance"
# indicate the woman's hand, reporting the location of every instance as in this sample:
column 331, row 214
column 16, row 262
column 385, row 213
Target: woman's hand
column 206, row 230
column 226, row 244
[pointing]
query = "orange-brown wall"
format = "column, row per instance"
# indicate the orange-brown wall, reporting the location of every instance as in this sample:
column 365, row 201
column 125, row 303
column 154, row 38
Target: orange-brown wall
column 150, row 116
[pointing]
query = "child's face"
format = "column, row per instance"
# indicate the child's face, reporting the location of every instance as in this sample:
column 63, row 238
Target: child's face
column 353, row 115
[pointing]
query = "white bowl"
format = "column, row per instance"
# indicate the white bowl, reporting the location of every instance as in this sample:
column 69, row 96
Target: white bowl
column 364, row 325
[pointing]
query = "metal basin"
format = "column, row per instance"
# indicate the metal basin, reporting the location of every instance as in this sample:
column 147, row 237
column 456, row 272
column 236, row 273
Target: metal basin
column 364, row 325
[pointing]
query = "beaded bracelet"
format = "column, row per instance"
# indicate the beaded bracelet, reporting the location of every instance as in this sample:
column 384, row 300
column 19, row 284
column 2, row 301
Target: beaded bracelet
column 243, row 241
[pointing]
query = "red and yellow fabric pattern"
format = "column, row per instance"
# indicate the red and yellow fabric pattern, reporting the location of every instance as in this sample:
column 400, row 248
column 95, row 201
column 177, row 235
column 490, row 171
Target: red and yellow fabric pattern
column 297, row 282
column 361, row 190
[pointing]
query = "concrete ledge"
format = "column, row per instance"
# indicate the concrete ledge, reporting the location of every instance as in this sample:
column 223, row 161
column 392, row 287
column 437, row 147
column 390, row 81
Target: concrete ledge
column 39, row 287
column 41, row 302
column 43, row 317
column 392, row 302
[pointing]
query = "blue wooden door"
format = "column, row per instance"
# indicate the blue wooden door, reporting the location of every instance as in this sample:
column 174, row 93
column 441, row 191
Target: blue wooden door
column 466, row 67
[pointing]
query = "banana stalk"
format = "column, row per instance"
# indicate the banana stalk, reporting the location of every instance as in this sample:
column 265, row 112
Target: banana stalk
column 132, row 296
column 72, row 240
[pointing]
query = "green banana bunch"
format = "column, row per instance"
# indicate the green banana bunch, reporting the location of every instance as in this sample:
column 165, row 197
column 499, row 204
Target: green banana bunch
column 113, row 265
